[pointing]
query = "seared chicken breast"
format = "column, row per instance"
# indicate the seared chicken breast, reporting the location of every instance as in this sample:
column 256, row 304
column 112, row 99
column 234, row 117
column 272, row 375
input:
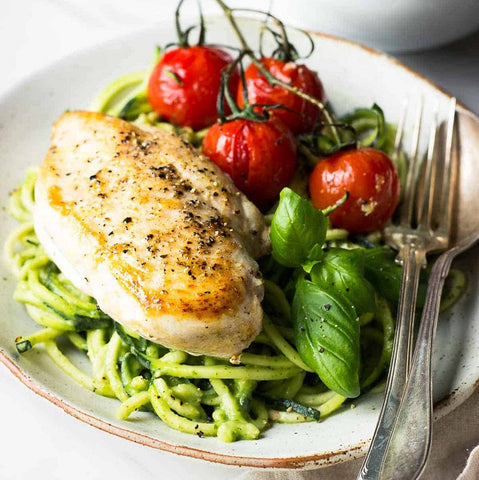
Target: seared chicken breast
column 154, row 231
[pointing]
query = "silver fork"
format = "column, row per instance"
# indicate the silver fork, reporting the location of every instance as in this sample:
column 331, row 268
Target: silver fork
column 413, row 238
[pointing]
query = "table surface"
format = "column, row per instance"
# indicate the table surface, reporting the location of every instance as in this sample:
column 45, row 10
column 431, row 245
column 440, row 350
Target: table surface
column 39, row 440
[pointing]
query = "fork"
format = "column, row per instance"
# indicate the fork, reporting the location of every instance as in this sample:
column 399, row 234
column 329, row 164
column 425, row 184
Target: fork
column 414, row 238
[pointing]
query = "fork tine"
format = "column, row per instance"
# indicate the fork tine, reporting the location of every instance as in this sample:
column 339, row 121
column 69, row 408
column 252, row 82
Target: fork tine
column 405, row 215
column 400, row 130
column 426, row 201
column 450, row 173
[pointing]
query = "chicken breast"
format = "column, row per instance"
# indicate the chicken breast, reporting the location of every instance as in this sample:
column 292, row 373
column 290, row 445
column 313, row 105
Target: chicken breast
column 154, row 231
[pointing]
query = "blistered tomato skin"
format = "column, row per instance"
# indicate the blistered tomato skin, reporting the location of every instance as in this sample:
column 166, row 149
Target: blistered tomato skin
column 299, row 115
column 183, row 87
column 370, row 178
column 260, row 157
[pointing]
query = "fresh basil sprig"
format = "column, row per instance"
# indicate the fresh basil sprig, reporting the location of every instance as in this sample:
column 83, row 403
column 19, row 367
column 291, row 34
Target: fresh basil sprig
column 330, row 293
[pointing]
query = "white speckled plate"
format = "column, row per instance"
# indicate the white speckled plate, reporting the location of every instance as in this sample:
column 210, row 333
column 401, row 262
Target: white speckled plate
column 353, row 76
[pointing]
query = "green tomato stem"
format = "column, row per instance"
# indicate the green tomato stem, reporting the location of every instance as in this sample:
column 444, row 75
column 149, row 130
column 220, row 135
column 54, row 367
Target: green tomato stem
column 228, row 12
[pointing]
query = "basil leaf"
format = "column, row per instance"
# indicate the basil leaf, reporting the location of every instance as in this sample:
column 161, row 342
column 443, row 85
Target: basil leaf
column 343, row 271
column 327, row 336
column 296, row 228
column 385, row 274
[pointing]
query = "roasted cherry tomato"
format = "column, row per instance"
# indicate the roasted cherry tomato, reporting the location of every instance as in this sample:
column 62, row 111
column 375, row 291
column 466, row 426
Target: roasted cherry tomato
column 260, row 157
column 372, row 181
column 304, row 113
column 184, row 85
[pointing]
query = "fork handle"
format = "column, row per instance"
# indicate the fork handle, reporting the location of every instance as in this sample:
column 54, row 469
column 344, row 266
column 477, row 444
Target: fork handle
column 410, row 441
column 413, row 259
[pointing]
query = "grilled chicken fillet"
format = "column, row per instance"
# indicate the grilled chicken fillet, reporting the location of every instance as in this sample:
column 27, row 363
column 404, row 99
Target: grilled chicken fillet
column 154, row 231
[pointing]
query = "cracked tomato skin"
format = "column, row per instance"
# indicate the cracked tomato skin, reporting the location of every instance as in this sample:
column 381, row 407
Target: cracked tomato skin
column 296, row 75
column 183, row 87
column 260, row 157
column 372, row 181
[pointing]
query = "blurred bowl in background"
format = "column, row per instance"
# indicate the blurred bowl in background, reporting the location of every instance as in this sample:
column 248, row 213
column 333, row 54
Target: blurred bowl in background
column 392, row 26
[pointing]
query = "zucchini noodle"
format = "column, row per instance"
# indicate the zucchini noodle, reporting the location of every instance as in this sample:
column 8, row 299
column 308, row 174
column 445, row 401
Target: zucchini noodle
column 198, row 395
column 129, row 86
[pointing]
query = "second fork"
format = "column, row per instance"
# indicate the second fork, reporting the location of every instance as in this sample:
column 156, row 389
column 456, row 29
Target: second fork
column 413, row 238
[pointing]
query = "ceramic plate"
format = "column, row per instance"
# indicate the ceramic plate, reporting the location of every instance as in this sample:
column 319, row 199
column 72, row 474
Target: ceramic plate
column 353, row 76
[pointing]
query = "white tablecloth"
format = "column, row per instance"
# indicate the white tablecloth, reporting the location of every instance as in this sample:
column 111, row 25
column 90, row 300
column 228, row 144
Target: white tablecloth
column 39, row 440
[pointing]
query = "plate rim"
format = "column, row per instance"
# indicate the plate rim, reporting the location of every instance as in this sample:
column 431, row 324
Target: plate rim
column 441, row 408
